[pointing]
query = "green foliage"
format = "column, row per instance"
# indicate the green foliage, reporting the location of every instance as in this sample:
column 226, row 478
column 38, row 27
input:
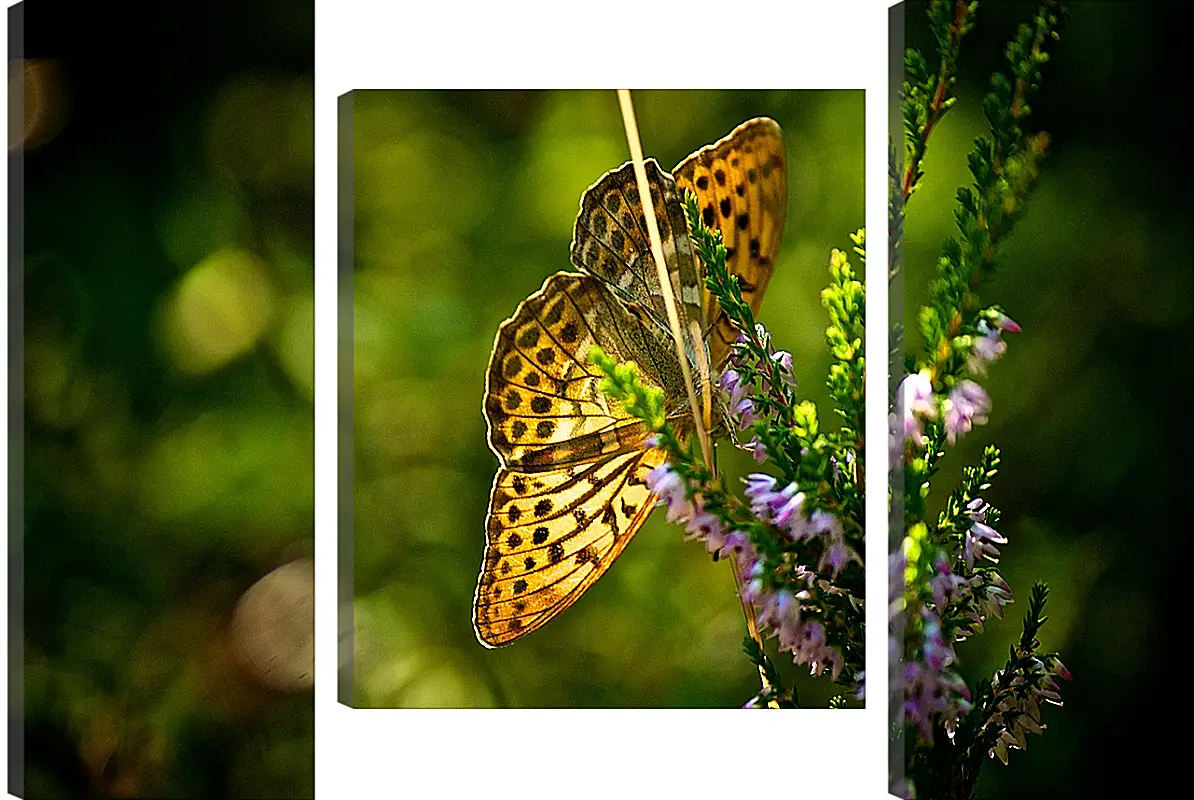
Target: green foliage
column 1005, row 167
column 621, row 383
column 948, row 592
column 975, row 480
column 927, row 97
column 845, row 300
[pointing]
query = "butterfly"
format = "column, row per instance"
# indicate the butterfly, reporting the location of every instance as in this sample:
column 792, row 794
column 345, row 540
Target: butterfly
column 569, row 493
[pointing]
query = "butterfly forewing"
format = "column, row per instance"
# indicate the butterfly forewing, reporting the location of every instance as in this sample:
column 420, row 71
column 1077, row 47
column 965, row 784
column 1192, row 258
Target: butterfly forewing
column 544, row 403
column 741, row 186
column 550, row 535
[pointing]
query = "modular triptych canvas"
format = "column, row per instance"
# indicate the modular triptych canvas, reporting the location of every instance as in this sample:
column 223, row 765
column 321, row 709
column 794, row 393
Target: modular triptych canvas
column 598, row 398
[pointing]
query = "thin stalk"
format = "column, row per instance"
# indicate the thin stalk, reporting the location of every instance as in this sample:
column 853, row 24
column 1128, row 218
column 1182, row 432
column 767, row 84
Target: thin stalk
column 669, row 300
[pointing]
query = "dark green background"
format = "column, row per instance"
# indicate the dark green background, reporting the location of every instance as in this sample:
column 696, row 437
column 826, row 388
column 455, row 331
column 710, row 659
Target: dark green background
column 463, row 204
column 1091, row 402
column 178, row 195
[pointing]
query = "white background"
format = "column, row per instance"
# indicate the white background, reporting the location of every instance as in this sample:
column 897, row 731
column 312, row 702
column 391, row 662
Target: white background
column 587, row 753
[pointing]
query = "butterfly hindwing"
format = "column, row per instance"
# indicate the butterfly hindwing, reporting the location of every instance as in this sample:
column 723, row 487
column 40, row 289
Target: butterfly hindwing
column 551, row 535
column 741, row 187
column 610, row 241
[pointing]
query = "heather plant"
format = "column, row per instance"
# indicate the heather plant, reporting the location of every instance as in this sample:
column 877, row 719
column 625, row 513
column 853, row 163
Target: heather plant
column 945, row 586
column 795, row 534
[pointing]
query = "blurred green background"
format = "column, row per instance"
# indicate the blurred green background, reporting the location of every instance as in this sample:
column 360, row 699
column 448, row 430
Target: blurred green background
column 1091, row 402
column 168, row 408
column 464, row 202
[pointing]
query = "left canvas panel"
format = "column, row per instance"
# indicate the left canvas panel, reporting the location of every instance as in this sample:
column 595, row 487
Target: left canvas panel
column 161, row 397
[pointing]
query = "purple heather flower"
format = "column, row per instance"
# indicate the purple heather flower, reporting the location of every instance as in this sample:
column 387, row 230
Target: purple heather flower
column 829, row 658
column 780, row 611
column 746, row 408
column 930, row 695
column 779, row 614
column 738, row 545
column 667, row 483
column 991, row 594
column 988, row 344
column 937, row 652
column 783, row 360
column 914, row 399
column 822, row 522
column 758, row 485
column 966, row 406
column 807, row 643
column 782, row 509
column 758, row 449
column 980, row 540
column 739, row 403
column 785, row 509
column 977, row 510
column 731, row 381
column 716, row 540
column 753, row 589
column 760, row 489
column 916, row 390
column 922, row 699
column 945, row 585
column 707, row 528
column 836, row 554
column 987, row 347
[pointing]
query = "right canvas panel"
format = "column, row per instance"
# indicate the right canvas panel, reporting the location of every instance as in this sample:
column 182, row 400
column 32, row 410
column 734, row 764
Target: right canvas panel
column 1040, row 218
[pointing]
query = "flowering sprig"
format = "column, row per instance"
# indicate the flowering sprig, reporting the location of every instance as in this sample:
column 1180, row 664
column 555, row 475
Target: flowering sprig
column 945, row 581
column 795, row 538
column 926, row 97
column 1005, row 167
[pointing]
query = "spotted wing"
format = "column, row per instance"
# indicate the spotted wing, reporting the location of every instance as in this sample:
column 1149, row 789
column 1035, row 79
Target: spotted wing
column 741, row 186
column 610, row 242
column 543, row 400
column 551, row 535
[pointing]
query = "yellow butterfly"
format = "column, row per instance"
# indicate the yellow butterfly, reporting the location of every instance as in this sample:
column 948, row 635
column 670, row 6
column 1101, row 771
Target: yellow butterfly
column 569, row 492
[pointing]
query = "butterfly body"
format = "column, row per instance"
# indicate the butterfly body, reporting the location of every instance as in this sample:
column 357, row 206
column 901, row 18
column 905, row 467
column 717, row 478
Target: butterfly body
column 569, row 493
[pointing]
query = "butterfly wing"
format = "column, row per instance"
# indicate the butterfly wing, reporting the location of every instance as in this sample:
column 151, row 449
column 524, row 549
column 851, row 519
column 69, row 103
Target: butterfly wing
column 543, row 401
column 550, row 535
column 610, row 242
column 569, row 494
column 741, row 186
